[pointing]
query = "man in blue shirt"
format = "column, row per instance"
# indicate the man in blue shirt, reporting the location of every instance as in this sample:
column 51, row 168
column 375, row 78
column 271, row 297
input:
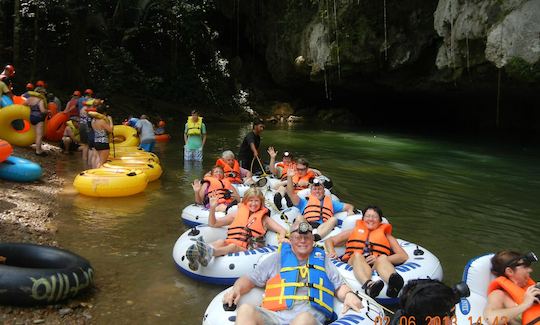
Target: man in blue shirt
column 318, row 209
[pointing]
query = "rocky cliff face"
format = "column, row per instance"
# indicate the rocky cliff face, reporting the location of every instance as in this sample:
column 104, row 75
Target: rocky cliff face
column 406, row 44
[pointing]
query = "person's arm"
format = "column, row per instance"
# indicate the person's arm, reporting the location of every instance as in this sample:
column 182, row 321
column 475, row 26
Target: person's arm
column 42, row 107
column 185, row 134
column 272, row 163
column 68, row 133
column 399, row 256
column 212, row 222
column 275, row 227
column 349, row 208
column 203, row 135
column 254, row 149
column 337, row 240
column 350, row 299
column 107, row 124
column 496, row 309
column 197, row 186
column 295, row 199
column 242, row 286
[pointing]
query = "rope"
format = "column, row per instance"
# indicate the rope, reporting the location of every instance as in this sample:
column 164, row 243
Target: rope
column 264, row 174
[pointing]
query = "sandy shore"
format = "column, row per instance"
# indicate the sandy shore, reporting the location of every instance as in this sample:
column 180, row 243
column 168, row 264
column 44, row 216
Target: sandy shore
column 27, row 214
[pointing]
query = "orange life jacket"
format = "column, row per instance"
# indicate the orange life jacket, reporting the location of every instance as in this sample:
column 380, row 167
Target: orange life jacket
column 284, row 169
column 317, row 211
column 246, row 226
column 373, row 242
column 218, row 186
column 309, row 175
column 231, row 173
column 530, row 316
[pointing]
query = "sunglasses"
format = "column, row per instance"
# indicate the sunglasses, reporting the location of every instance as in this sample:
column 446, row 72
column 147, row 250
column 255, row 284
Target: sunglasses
column 524, row 260
column 301, row 169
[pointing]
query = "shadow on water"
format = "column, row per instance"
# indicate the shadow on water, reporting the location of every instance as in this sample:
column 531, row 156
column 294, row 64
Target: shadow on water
column 458, row 199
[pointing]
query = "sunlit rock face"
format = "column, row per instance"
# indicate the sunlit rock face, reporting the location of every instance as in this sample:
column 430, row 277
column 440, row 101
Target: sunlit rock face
column 410, row 44
column 507, row 29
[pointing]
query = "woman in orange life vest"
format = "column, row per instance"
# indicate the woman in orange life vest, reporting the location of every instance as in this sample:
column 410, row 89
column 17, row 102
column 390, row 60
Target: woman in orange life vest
column 512, row 296
column 301, row 180
column 216, row 183
column 371, row 245
column 246, row 229
column 233, row 172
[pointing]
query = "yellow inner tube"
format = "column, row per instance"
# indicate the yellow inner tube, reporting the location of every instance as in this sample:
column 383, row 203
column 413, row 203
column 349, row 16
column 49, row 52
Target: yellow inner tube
column 104, row 182
column 125, row 136
column 151, row 169
column 133, row 155
column 12, row 113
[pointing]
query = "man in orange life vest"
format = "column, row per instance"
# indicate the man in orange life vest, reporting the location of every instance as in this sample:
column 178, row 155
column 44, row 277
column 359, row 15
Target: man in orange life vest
column 513, row 296
column 318, row 209
column 297, row 269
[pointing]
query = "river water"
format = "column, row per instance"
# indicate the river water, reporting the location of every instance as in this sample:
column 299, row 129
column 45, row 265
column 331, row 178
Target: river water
column 458, row 198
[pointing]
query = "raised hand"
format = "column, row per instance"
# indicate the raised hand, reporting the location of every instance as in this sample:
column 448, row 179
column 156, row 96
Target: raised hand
column 272, row 152
column 213, row 199
column 196, row 185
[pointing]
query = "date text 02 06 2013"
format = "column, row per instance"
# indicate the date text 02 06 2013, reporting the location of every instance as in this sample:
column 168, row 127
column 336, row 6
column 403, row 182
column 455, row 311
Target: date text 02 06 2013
column 437, row 320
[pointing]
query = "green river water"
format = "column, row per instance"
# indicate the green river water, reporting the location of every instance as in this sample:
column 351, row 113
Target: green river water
column 458, row 198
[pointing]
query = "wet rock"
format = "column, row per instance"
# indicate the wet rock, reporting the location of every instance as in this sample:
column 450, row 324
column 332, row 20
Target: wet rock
column 38, row 321
column 65, row 311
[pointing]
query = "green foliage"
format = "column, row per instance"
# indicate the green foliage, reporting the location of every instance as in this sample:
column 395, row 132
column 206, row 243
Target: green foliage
column 520, row 69
column 147, row 48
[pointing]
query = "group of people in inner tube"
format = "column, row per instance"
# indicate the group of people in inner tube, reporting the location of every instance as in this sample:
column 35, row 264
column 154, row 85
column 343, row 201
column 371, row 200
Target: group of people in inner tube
column 376, row 248
column 369, row 246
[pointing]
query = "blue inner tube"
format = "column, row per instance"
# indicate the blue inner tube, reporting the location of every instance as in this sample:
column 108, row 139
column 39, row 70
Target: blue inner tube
column 40, row 275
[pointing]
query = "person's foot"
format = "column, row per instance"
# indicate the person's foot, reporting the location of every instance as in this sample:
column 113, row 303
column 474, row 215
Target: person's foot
column 373, row 289
column 277, row 201
column 41, row 154
column 395, row 283
column 192, row 254
column 288, row 199
column 205, row 251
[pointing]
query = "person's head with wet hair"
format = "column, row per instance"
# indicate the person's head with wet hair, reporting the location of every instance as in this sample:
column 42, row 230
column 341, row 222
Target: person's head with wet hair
column 513, row 265
column 425, row 299
column 374, row 208
column 258, row 126
column 501, row 260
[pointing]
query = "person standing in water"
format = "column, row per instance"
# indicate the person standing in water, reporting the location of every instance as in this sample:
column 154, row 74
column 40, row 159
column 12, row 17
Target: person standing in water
column 249, row 149
column 194, row 137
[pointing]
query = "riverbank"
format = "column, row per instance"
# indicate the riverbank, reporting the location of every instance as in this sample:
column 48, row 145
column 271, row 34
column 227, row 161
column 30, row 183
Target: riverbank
column 28, row 214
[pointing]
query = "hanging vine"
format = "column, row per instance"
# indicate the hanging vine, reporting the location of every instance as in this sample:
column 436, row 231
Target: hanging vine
column 337, row 41
column 385, row 32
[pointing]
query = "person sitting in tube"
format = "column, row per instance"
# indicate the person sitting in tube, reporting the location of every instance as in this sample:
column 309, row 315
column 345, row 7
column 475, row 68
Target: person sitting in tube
column 280, row 169
column 303, row 176
column 370, row 245
column 216, row 183
column 304, row 274
column 513, row 296
column 233, row 172
column 246, row 229
column 318, row 209
column 160, row 127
